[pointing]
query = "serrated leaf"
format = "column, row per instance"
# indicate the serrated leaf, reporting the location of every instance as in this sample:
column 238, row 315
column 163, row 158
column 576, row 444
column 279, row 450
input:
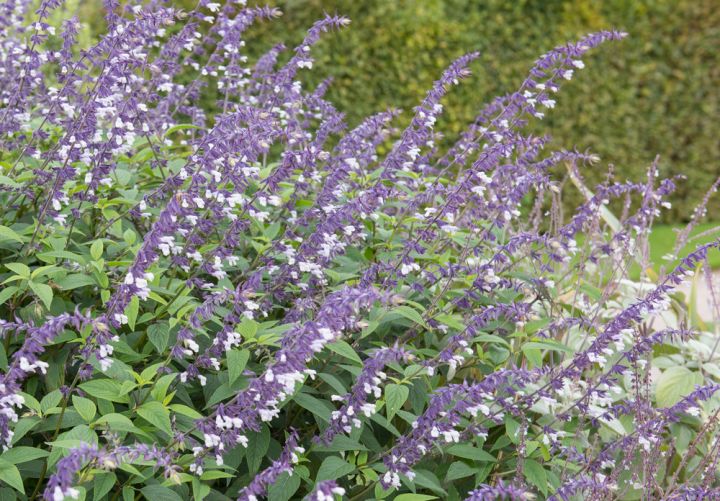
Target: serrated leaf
column 395, row 397
column 85, row 407
column 237, row 360
column 156, row 414
column 333, row 468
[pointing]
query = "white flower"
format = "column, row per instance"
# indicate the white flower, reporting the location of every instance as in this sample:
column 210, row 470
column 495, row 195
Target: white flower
column 405, row 269
column 392, row 479
column 693, row 411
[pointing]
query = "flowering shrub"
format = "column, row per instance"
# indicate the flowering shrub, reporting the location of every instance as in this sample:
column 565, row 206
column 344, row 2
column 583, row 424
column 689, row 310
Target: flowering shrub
column 261, row 304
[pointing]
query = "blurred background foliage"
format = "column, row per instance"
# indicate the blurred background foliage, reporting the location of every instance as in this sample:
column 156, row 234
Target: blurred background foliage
column 655, row 93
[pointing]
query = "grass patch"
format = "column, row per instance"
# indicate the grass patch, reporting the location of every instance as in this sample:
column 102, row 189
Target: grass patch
column 662, row 242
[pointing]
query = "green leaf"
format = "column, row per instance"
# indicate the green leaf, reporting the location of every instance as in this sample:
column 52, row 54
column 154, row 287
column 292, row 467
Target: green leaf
column 156, row 414
column 247, row 328
column 103, row 483
column 178, row 127
column 535, row 474
column 7, row 293
column 459, row 470
column 11, row 476
column 22, row 454
column 44, row 271
column 8, row 234
column 159, row 334
column 185, row 411
column 284, row 487
column 96, row 250
column 160, row 493
column 333, row 468
column 414, row 497
column 50, row 401
column 395, row 397
column 319, row 408
column 4, row 180
column 512, row 429
column 43, row 291
column 85, row 407
column 341, row 443
column 128, row 494
column 107, row 389
column 19, row 269
column 75, row 281
column 236, row 360
column 547, row 345
column 469, row 452
column 258, row 444
column 215, row 474
column 429, row 480
column 674, row 384
column 200, row 490
column 410, row 314
column 49, row 257
column 345, row 350
column 129, row 236
column 131, row 311
column 117, row 422
column 453, row 321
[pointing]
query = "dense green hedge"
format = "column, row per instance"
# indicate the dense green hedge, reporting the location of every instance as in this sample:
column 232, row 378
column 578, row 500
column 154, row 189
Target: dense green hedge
column 657, row 92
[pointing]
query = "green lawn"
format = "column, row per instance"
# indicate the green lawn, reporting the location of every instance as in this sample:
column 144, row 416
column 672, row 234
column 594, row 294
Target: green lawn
column 662, row 242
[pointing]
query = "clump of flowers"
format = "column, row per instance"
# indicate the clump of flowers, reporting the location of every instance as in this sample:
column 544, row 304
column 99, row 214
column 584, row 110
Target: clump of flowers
column 212, row 286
